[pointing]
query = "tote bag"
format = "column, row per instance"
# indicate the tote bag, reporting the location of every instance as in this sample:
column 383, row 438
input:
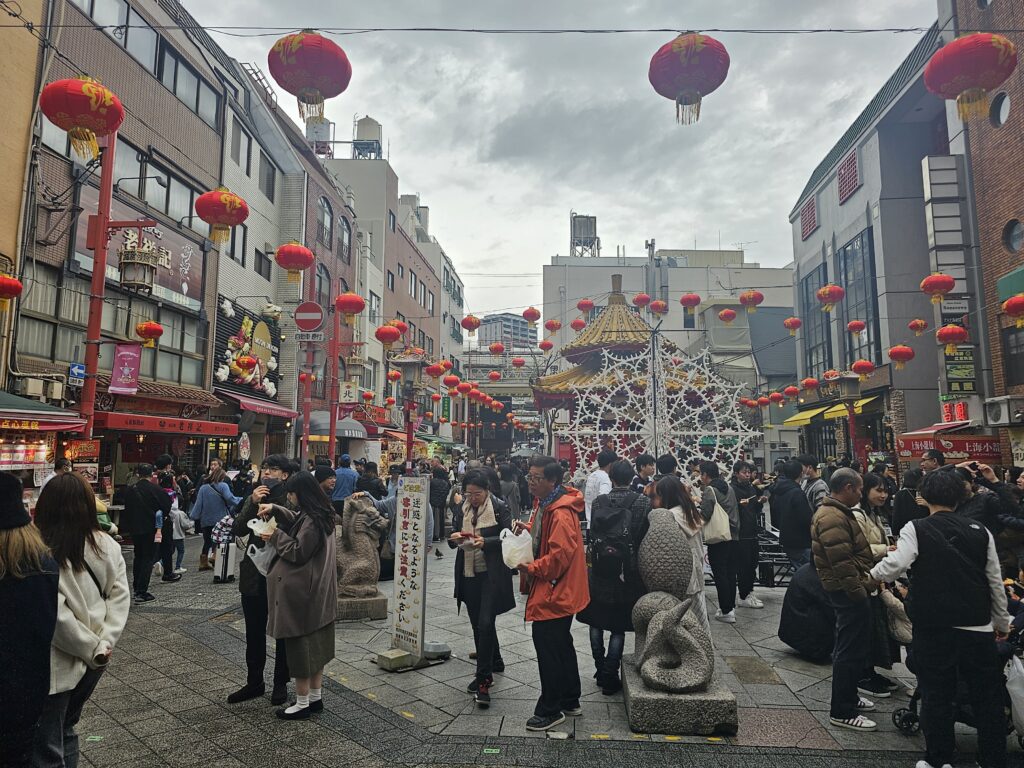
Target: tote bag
column 716, row 530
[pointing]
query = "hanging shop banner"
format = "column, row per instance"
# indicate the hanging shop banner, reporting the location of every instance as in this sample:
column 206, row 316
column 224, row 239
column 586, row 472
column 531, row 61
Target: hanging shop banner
column 247, row 352
column 137, row 422
column 179, row 272
column 82, row 450
column 124, row 376
column 446, row 407
column 411, row 565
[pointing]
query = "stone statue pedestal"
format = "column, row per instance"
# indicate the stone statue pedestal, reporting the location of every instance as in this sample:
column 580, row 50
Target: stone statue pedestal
column 356, row 608
column 703, row 713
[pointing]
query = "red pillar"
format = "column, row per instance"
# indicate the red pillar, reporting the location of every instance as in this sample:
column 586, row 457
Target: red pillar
column 334, row 389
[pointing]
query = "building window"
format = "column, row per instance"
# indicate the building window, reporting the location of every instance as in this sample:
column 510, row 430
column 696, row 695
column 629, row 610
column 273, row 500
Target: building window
column 375, row 304
column 391, row 280
column 816, row 330
column 236, row 246
column 323, row 286
column 422, row 339
column 324, row 222
column 808, row 218
column 392, row 221
column 346, row 240
column 241, row 144
column 192, row 90
column 401, row 272
column 430, row 347
column 1013, row 355
column 856, row 270
column 412, row 283
column 848, row 177
column 262, row 265
column 430, row 303
column 268, row 176
column 1013, row 235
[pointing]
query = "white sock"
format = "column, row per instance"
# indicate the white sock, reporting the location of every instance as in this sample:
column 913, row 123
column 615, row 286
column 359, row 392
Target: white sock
column 315, row 694
column 301, row 702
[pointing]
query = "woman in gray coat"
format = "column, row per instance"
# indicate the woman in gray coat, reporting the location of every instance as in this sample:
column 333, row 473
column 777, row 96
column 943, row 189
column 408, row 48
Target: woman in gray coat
column 302, row 588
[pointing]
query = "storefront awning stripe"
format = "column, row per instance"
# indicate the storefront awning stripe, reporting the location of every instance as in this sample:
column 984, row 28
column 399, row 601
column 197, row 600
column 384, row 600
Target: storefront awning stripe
column 840, row 412
column 803, row 418
column 934, row 429
column 258, row 406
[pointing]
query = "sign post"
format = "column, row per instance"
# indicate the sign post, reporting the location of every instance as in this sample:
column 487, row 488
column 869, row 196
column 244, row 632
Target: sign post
column 411, row 565
column 309, row 319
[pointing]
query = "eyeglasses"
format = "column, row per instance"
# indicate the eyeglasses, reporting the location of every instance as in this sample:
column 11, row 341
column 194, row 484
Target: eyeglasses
column 534, row 478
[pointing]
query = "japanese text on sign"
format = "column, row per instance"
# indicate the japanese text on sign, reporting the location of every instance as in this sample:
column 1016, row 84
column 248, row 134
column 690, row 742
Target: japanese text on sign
column 411, row 564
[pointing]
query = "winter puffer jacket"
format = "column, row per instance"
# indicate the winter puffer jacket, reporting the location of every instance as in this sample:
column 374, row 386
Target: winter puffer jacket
column 842, row 556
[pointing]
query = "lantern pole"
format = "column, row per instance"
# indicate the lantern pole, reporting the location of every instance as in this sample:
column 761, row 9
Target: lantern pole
column 334, row 389
column 307, row 389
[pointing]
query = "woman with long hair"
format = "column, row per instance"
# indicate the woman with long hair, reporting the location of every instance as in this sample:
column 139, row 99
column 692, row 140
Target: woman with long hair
column 92, row 612
column 28, row 605
column 214, row 501
column 908, row 505
column 302, row 588
column 672, row 498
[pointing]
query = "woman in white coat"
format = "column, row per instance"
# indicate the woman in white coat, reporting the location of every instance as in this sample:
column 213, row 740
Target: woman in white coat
column 92, row 609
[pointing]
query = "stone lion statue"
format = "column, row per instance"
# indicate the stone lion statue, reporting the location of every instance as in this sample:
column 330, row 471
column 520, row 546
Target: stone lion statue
column 358, row 562
column 674, row 652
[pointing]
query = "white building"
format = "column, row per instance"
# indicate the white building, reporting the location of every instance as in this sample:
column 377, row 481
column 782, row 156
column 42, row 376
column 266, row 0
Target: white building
column 510, row 329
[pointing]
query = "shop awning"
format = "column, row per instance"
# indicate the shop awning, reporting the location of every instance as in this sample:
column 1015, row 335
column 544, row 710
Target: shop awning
column 137, row 422
column 24, row 415
column 258, row 406
column 840, row 412
column 391, row 434
column 803, row 417
column 934, row 429
column 983, row 448
column 434, row 439
column 320, row 426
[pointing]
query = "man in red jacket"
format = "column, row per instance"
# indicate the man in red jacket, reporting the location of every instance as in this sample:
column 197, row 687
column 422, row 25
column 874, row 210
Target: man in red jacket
column 558, row 589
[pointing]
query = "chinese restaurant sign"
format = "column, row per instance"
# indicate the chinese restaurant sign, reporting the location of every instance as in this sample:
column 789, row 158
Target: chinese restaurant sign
column 411, row 565
column 957, row 448
column 245, row 334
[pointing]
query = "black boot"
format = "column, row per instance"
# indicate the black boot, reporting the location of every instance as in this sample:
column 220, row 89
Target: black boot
column 599, row 667
column 609, row 681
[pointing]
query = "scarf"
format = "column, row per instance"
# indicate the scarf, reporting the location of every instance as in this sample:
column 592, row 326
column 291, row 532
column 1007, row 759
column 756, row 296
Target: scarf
column 473, row 519
column 535, row 530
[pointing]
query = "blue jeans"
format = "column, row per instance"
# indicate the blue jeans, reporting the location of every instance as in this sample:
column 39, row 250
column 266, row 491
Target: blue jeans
column 798, row 557
column 179, row 547
column 616, row 642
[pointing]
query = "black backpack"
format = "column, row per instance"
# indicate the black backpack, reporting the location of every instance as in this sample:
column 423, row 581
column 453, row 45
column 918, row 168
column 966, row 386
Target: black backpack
column 611, row 545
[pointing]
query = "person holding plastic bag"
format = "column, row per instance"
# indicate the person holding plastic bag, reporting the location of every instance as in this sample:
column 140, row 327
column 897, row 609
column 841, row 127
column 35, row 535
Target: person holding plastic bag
column 482, row 580
column 956, row 602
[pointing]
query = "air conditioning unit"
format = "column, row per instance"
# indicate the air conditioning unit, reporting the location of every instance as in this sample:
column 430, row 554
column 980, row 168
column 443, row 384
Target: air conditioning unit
column 1006, row 411
column 31, row 387
column 55, row 390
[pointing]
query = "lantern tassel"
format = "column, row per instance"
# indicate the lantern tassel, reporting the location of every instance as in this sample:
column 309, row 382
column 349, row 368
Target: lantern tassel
column 219, row 234
column 1020, row 320
column 751, row 310
column 827, row 307
column 84, row 142
column 936, row 298
column 311, row 105
column 900, row 365
column 688, row 108
column 951, row 349
column 294, row 276
column 972, row 103
column 792, row 333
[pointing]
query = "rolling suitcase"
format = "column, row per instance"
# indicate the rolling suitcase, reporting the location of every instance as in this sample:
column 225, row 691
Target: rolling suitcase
column 224, row 568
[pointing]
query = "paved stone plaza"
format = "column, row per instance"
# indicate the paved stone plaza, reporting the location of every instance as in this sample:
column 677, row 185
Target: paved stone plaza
column 162, row 702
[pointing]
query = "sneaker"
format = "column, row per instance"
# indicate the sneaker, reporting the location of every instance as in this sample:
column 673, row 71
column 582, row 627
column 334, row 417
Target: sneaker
column 483, row 694
column 863, row 705
column 926, row 764
column 726, row 618
column 573, row 711
column 499, row 667
column 750, row 601
column 855, row 723
column 144, row 598
column 473, row 686
column 888, row 682
column 538, row 723
column 181, row 570
column 172, row 577
column 872, row 687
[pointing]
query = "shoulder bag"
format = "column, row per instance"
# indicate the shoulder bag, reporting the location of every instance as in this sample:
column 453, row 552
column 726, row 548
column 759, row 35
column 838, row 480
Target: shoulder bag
column 716, row 530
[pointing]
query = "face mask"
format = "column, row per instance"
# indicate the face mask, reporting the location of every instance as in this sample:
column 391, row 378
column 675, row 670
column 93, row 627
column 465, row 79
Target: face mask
column 271, row 482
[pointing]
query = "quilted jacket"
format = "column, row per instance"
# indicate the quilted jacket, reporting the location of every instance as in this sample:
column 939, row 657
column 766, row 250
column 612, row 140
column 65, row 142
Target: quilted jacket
column 842, row 556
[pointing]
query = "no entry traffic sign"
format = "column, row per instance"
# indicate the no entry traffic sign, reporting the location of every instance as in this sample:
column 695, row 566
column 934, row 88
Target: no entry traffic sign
column 309, row 316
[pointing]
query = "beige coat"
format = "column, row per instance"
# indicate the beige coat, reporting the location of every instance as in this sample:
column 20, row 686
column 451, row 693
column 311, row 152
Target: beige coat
column 302, row 584
column 874, row 532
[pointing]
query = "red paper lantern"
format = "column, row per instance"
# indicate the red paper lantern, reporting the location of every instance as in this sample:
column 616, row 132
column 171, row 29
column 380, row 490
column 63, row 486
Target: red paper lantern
column 690, row 302
column 442, row 420
column 464, row 388
column 471, row 323
column 401, row 325
column 546, row 346
column 937, row 285
column 584, row 305
column 246, row 362
column 578, row 324
column 436, row 397
column 659, row 307
column 351, row 304
column 294, row 257
column 968, row 69
column 434, row 371
column 810, row 383
column 553, row 326
column 311, row 68
column 518, row 362
column 686, row 70
column 863, row 368
column 446, row 364
column 763, row 402
column 150, row 330
column 83, row 108
column 394, row 376
column 951, row 335
column 368, row 396
column 10, row 288
column 791, row 392
column 901, row 354
column 830, row 295
column 751, row 300
column 856, row 327
column 389, row 401
column 453, row 392
column 494, row 376
column 792, row 324
column 777, row 397
column 222, row 209
column 497, row 349
column 387, row 335
column 641, row 300
column 727, row 316
column 531, row 315
column 918, row 326
column 429, row 415
column 451, row 381
column 1014, row 308
column 831, row 374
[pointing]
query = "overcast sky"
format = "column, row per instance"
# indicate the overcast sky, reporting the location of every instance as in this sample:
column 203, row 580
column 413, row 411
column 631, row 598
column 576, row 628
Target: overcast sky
column 503, row 135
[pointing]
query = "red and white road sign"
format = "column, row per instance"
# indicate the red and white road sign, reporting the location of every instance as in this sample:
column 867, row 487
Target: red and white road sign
column 309, row 316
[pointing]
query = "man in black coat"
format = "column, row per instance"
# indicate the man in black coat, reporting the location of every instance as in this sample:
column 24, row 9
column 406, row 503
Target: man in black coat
column 808, row 621
column 143, row 499
column 792, row 513
column 750, row 500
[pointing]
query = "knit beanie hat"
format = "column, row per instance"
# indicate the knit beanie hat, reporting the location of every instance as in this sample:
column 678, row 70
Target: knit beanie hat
column 322, row 472
column 12, row 508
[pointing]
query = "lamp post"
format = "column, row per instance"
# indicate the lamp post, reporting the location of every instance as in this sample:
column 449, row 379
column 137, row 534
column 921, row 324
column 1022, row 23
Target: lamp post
column 849, row 394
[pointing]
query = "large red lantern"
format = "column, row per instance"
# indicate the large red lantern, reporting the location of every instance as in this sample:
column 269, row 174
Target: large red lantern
column 351, row 304
column 578, row 324
column 10, row 288
column 856, row 327
column 368, row 397
column 1014, row 307
column 518, row 362
column 727, row 316
column 497, row 349
column 311, row 68
column 401, row 325
column 394, row 376
column 83, row 108
column 389, row 401
column 763, row 402
column 863, row 368
column 659, row 307
column 553, row 326
column 436, row 397
column 831, row 374
column 451, row 381
column 791, row 392
column 222, row 210
column 584, row 305
column 937, row 286
column 641, row 300
column 686, row 70
column 546, row 346
column 387, row 335
column 751, row 300
column 918, row 326
column 494, row 376
column 150, row 331
column 901, row 354
column 690, row 302
column 777, row 397
column 951, row 335
column 470, row 323
column 531, row 315
column 968, row 69
column 247, row 362
column 294, row 257
column 434, row 370
column 810, row 383
column 830, row 295
column 792, row 324
column 464, row 388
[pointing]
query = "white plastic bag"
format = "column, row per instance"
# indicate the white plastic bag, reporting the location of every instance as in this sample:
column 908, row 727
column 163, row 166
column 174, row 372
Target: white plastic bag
column 516, row 550
column 262, row 557
column 1015, row 687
